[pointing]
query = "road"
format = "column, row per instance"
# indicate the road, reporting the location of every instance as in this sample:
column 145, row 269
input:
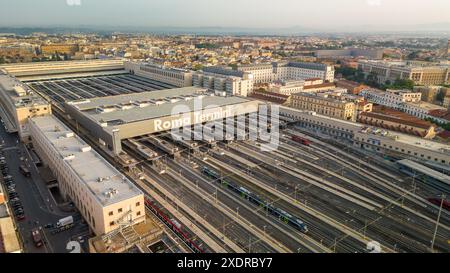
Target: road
column 39, row 205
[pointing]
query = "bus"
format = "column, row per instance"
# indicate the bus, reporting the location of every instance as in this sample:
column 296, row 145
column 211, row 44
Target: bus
column 24, row 170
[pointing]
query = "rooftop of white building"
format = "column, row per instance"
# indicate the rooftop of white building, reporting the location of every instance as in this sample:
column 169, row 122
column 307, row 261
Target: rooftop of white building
column 19, row 94
column 104, row 181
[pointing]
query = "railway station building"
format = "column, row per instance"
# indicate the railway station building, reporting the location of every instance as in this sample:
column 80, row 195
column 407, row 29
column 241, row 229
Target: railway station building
column 116, row 118
column 106, row 199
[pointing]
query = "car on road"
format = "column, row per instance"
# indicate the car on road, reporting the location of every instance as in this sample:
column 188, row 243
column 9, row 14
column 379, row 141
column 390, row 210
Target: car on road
column 13, row 195
column 49, row 225
column 37, row 238
column 24, row 171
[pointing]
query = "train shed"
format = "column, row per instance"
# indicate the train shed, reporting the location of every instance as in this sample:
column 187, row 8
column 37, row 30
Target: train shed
column 113, row 119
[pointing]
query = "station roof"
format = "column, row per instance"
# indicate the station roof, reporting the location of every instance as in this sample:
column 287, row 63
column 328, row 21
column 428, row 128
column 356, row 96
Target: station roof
column 123, row 109
column 100, row 178
column 425, row 170
column 19, row 94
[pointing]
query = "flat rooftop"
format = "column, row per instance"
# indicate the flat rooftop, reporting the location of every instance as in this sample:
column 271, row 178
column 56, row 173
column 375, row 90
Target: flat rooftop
column 19, row 94
column 76, row 88
column 426, row 105
column 123, row 109
column 424, row 169
column 104, row 181
column 26, row 69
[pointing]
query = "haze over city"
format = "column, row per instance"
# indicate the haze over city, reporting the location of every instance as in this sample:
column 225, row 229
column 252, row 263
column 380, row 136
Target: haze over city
column 289, row 15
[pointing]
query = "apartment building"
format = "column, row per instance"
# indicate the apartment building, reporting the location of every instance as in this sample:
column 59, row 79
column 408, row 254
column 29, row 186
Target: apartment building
column 262, row 73
column 390, row 98
column 324, row 105
column 287, row 87
column 173, row 76
column 403, row 100
column 105, row 197
column 68, row 49
column 18, row 104
column 222, row 79
column 429, row 93
column 266, row 73
column 303, row 70
column 419, row 72
column 350, row 53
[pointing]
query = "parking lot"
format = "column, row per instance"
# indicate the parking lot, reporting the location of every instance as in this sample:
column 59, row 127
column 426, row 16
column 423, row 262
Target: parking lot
column 31, row 202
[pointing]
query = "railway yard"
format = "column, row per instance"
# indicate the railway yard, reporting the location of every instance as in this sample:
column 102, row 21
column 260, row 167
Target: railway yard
column 310, row 195
column 343, row 201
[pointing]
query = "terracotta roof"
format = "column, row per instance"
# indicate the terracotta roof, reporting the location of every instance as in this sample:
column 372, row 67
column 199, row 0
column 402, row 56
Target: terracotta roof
column 395, row 116
column 327, row 84
column 444, row 134
column 444, row 114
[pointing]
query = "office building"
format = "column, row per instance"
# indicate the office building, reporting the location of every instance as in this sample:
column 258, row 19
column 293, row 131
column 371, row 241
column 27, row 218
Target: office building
column 174, row 76
column 224, row 79
column 287, row 87
column 18, row 104
column 420, row 73
column 266, row 73
column 429, row 93
column 324, row 105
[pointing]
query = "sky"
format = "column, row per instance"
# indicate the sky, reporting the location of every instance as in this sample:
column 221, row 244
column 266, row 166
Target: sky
column 317, row 14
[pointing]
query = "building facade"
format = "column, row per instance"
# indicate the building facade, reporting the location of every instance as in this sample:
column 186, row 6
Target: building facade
column 68, row 49
column 267, row 73
column 104, row 197
column 223, row 79
column 419, row 73
column 173, row 76
column 403, row 100
column 18, row 104
column 287, row 87
column 324, row 105
column 372, row 139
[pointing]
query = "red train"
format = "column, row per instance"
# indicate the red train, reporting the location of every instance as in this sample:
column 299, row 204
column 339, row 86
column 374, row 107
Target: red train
column 301, row 140
column 175, row 227
column 437, row 202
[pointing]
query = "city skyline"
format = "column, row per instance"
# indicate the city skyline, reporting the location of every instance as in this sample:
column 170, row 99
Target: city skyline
column 286, row 16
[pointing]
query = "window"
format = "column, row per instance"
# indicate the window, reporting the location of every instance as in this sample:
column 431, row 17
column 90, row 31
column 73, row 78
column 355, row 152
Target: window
column 138, row 204
column 119, row 210
column 138, row 213
column 110, row 213
column 111, row 223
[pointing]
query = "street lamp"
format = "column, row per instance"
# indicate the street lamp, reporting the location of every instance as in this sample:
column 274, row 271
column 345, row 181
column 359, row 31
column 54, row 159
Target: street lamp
column 437, row 221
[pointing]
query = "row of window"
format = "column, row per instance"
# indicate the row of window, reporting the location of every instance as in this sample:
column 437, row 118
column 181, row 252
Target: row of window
column 402, row 150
